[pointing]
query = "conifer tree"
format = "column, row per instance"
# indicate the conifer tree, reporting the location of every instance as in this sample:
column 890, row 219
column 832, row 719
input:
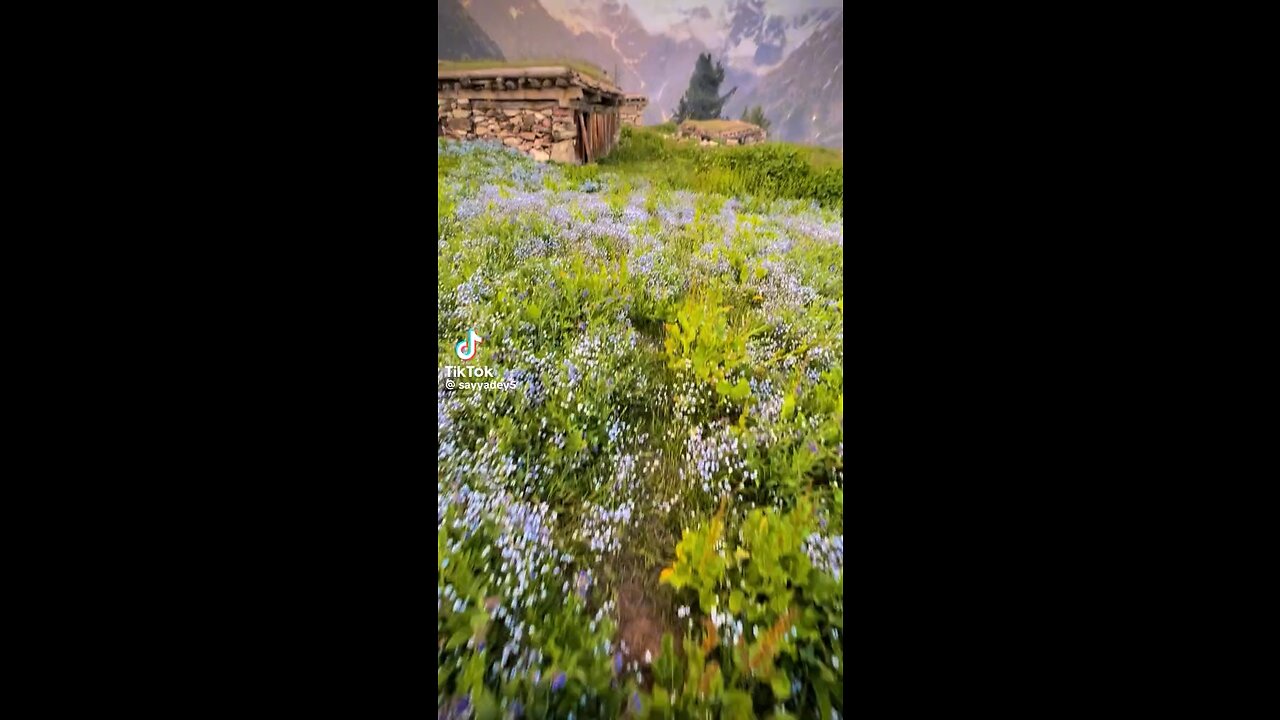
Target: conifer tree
column 755, row 116
column 702, row 101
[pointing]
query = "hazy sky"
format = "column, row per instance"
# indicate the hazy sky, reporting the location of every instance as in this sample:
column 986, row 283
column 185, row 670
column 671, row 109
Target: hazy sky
column 661, row 15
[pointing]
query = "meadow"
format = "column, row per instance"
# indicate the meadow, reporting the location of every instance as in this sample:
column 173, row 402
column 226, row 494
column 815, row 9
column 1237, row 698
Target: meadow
column 648, row 521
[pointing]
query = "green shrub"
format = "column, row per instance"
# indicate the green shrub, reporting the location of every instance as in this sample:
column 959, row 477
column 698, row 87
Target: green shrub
column 768, row 171
column 770, row 622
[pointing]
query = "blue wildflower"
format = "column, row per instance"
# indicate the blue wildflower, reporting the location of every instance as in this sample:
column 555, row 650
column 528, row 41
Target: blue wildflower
column 558, row 681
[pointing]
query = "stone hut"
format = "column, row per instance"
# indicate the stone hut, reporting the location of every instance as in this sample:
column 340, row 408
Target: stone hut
column 721, row 132
column 551, row 113
column 633, row 109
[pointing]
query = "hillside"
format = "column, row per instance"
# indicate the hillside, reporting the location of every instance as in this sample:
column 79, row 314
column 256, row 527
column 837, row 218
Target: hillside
column 459, row 37
column 640, row 432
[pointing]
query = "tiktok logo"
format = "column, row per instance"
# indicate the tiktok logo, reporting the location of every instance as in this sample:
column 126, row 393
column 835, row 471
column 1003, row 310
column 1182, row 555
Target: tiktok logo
column 466, row 349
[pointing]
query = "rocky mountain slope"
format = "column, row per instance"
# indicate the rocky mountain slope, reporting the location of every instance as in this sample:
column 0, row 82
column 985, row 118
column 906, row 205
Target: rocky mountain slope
column 804, row 96
column 459, row 37
column 525, row 30
column 787, row 60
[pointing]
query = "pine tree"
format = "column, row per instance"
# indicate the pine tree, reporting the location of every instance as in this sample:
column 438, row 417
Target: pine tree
column 755, row 116
column 702, row 101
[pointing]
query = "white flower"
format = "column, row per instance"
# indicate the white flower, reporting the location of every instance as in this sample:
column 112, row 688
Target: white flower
column 648, row 657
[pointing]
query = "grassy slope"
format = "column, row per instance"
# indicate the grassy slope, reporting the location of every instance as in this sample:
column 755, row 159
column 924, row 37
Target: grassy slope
column 765, row 171
column 647, row 160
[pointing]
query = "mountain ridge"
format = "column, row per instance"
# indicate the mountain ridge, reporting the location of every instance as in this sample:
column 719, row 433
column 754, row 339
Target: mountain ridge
column 459, row 37
column 753, row 42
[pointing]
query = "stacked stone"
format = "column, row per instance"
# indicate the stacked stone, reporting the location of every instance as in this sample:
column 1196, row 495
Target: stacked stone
column 744, row 134
column 544, row 131
column 632, row 109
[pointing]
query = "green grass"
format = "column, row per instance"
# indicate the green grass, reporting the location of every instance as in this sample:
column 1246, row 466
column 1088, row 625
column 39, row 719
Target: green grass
column 765, row 171
column 581, row 66
column 631, row 314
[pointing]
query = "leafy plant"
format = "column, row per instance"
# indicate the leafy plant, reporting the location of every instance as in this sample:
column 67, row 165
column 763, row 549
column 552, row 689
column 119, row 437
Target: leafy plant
column 766, row 583
column 702, row 340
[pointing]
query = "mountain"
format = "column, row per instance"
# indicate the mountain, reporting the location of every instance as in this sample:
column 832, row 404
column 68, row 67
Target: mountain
column 650, row 47
column 524, row 30
column 756, row 39
column 460, row 38
column 804, row 96
column 660, row 63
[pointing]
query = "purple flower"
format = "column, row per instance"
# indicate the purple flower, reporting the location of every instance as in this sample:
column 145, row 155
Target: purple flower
column 617, row 662
column 635, row 702
column 558, row 681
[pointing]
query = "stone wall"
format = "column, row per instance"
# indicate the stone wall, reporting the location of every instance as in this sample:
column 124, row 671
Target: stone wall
column 542, row 129
column 631, row 114
column 721, row 132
